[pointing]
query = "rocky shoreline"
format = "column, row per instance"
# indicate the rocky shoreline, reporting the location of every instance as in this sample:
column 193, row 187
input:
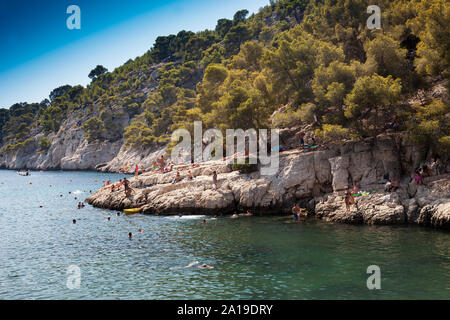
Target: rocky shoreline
column 315, row 180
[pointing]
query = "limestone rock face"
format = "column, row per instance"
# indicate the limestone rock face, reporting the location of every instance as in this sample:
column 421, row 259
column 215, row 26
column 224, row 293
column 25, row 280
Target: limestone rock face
column 69, row 151
column 372, row 209
column 311, row 178
column 315, row 179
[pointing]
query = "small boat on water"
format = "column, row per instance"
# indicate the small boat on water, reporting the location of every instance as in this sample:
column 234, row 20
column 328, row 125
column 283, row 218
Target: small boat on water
column 23, row 172
column 132, row 210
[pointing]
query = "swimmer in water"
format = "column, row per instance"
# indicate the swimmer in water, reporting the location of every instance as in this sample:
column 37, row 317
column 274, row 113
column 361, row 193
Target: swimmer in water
column 109, row 218
column 130, row 235
column 205, row 266
column 74, row 221
column 118, row 214
column 235, row 215
column 204, row 221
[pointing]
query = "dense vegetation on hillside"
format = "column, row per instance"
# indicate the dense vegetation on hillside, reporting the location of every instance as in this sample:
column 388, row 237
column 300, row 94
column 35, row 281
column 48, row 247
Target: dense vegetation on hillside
column 315, row 58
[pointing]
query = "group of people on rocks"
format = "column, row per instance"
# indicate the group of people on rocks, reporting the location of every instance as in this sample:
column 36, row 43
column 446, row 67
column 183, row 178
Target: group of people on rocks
column 125, row 183
column 301, row 137
column 179, row 178
column 428, row 169
column 162, row 165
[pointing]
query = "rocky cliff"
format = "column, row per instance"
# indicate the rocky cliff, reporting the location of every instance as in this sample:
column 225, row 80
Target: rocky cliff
column 314, row 179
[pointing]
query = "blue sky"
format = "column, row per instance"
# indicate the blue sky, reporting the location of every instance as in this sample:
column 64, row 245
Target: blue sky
column 38, row 53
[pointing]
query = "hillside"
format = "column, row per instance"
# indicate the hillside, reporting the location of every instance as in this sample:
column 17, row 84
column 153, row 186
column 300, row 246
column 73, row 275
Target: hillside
column 292, row 62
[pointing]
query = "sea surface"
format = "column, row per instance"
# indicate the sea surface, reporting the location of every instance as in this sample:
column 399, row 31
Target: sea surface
column 43, row 255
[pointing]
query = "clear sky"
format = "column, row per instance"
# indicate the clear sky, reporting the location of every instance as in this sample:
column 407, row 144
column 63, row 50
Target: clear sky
column 39, row 53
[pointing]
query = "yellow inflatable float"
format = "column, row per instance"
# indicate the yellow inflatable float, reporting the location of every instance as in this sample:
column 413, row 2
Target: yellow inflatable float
column 132, row 210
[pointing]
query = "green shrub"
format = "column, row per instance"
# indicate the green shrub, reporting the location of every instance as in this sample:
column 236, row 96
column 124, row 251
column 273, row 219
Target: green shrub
column 290, row 118
column 286, row 119
column 44, row 144
column 245, row 167
column 445, row 141
column 93, row 129
column 332, row 132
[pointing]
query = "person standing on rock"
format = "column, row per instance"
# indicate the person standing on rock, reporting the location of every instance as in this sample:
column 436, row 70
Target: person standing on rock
column 348, row 199
column 126, row 184
column 215, row 179
column 295, row 211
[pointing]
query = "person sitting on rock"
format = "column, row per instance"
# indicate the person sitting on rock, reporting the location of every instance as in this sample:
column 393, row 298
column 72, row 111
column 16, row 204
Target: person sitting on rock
column 190, row 177
column 388, row 186
column 394, row 185
column 418, row 177
column 426, row 171
column 177, row 177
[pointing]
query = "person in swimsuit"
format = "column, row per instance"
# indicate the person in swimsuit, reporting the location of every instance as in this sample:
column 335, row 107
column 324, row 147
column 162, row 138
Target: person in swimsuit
column 348, row 199
column 177, row 177
column 295, row 211
column 215, row 179
column 301, row 137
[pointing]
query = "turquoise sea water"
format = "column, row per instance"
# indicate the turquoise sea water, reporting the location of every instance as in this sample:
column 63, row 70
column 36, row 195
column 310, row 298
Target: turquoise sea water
column 253, row 257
